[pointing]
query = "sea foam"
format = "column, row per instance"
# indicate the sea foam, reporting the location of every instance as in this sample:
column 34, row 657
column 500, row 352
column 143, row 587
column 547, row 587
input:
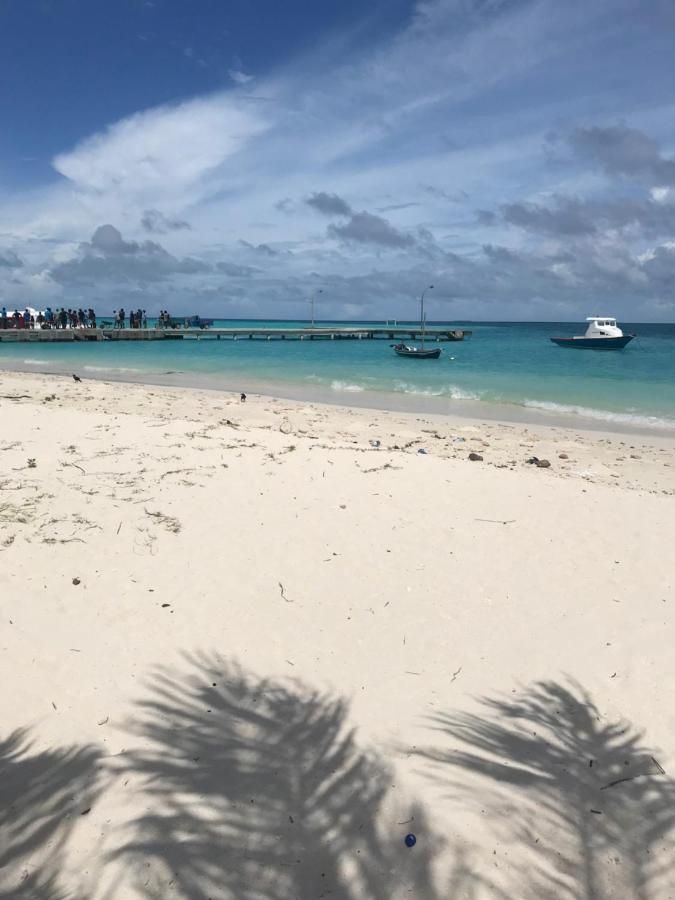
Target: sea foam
column 345, row 386
column 447, row 390
column 602, row 415
column 110, row 370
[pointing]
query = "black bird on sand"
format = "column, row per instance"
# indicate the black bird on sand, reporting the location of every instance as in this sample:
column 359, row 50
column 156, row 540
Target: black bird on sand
column 243, row 398
column 76, row 377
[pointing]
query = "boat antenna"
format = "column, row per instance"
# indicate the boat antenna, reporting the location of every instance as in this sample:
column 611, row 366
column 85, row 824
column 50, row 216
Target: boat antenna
column 423, row 318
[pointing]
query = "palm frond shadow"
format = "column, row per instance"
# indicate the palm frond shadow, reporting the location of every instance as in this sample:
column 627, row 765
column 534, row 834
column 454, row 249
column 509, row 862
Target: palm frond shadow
column 42, row 796
column 580, row 797
column 258, row 789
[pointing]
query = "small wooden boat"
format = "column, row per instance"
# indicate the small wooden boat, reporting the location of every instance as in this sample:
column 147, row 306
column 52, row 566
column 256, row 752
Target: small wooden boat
column 412, row 352
column 602, row 334
column 417, row 352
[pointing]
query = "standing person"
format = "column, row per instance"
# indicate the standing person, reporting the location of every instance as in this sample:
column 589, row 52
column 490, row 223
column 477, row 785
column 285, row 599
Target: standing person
column 40, row 319
column 122, row 317
column 26, row 319
column 145, row 320
column 3, row 317
column 92, row 318
column 63, row 317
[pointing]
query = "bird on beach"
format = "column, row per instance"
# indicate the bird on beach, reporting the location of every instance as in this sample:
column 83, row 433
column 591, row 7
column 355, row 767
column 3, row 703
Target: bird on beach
column 76, row 377
column 243, row 398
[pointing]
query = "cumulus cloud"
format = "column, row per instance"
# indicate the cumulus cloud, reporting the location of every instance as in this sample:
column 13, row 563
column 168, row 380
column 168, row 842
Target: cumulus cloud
column 9, row 260
column 570, row 217
column 262, row 249
column 660, row 267
column 394, row 207
column 234, row 270
column 620, row 150
column 156, row 222
column 285, row 205
column 329, row 204
column 108, row 257
column 365, row 228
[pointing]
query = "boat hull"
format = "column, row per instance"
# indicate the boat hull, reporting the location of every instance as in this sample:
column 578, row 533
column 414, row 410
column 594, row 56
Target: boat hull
column 433, row 353
column 595, row 343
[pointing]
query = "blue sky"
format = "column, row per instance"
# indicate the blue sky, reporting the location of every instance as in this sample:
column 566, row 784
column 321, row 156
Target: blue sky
column 232, row 157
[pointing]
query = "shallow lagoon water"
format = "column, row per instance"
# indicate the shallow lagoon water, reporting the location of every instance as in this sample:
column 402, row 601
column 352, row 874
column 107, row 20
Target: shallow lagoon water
column 501, row 363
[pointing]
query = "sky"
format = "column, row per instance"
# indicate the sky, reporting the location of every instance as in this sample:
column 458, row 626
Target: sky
column 234, row 158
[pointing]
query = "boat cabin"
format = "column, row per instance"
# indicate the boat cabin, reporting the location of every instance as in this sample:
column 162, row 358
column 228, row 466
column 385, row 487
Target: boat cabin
column 602, row 326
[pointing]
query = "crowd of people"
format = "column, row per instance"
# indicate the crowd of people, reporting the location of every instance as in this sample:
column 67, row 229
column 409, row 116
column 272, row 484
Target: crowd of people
column 137, row 318
column 59, row 318
column 79, row 318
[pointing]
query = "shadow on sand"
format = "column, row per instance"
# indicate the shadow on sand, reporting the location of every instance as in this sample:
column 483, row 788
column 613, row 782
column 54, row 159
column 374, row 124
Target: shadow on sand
column 578, row 807
column 42, row 797
column 257, row 789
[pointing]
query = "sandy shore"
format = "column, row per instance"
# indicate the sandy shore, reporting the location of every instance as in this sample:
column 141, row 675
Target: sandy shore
column 248, row 648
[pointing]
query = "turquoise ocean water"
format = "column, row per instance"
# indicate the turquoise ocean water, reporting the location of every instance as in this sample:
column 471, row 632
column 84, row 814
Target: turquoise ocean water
column 501, row 363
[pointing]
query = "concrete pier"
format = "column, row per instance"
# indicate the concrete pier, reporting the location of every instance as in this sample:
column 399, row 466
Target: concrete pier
column 353, row 333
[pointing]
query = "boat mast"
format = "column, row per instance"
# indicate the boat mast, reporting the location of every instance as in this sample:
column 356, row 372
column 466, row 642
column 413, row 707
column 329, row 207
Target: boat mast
column 423, row 319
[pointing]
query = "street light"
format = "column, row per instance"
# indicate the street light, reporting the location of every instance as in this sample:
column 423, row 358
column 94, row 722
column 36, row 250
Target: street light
column 314, row 296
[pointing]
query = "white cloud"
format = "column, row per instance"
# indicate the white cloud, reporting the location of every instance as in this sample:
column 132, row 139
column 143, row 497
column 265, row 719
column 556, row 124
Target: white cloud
column 416, row 126
column 168, row 152
column 239, row 77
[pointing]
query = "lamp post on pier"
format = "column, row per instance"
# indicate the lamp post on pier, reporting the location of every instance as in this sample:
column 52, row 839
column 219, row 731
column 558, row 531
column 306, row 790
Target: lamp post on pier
column 313, row 300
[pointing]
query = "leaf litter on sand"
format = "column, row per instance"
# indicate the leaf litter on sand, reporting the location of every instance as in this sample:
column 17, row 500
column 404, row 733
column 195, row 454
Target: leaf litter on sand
column 171, row 523
column 23, row 513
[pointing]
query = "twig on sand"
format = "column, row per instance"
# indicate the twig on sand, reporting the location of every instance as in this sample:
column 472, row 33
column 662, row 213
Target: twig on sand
column 118, row 528
column 380, row 468
column 74, row 466
column 660, row 771
column 497, row 521
column 658, row 765
column 70, row 540
column 175, row 472
column 11, row 446
column 455, row 674
column 281, row 588
column 15, row 396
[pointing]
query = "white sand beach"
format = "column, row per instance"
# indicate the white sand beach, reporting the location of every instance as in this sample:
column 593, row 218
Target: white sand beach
column 246, row 648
